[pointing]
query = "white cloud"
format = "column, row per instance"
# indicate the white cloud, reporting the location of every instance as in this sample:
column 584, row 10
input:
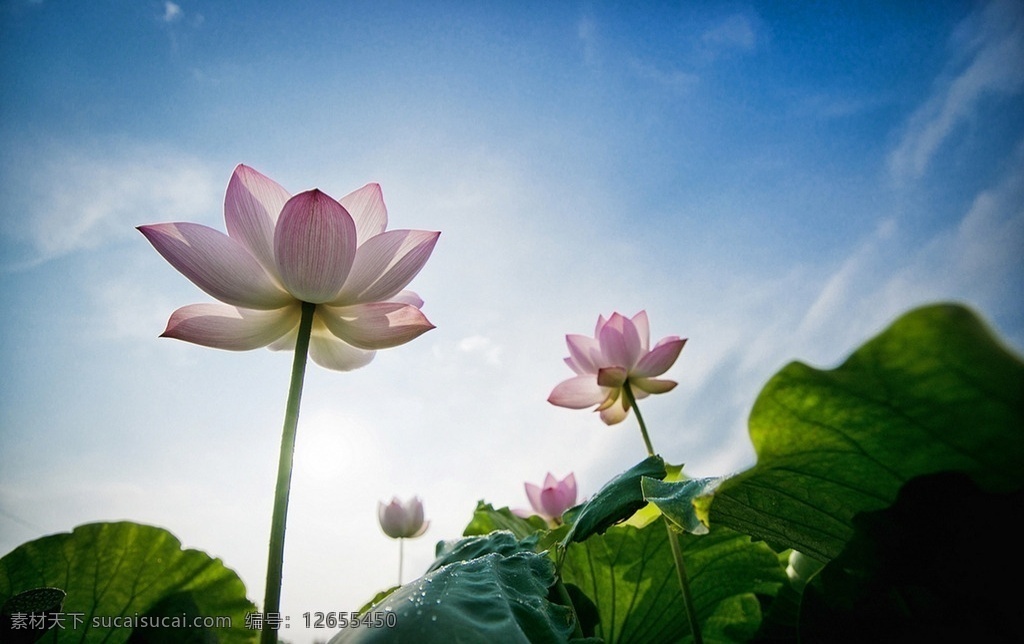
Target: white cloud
column 975, row 260
column 172, row 12
column 72, row 199
column 833, row 301
column 129, row 308
column 670, row 78
column 736, row 32
column 988, row 48
column 979, row 259
column 478, row 344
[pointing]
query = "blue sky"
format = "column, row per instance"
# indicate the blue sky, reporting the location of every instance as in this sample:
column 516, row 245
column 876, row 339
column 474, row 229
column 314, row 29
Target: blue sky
column 774, row 183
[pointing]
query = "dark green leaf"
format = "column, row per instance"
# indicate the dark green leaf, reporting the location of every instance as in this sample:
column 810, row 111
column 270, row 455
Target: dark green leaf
column 41, row 604
column 492, row 598
column 166, row 623
column 615, row 502
column 586, row 611
column 125, row 569
column 935, row 391
column 501, row 542
column 630, row 575
column 941, row 564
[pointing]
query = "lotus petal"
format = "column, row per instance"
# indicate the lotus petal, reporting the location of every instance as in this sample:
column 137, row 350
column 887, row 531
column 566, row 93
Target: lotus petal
column 366, row 206
column 385, row 264
column 314, row 246
column 251, row 208
column 620, row 342
column 660, row 358
column 643, row 329
column 407, row 297
column 533, row 493
column 219, row 265
column 578, row 393
column 226, row 327
column 331, row 353
column 584, row 353
column 379, row 325
column 612, row 376
column 615, row 413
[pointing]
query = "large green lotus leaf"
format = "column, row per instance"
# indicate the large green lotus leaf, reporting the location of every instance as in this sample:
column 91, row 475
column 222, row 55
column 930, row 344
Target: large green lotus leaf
column 500, row 542
column 128, row 570
column 630, row 575
column 617, row 501
column 490, row 598
column 935, row 391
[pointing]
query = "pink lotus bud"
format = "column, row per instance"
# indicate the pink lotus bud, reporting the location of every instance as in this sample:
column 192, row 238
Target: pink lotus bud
column 554, row 498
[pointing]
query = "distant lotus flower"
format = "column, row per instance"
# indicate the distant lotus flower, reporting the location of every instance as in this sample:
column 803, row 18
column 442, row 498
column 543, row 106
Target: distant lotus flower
column 282, row 250
column 618, row 353
column 554, row 498
column 402, row 520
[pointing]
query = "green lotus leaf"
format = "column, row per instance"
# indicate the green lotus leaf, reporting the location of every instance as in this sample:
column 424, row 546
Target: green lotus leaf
column 935, row 391
column 490, row 598
column 130, row 582
column 629, row 574
column 615, row 502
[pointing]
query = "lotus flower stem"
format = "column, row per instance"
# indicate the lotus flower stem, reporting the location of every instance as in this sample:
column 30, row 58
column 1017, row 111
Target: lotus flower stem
column 673, row 538
column 275, row 561
column 401, row 556
column 628, row 391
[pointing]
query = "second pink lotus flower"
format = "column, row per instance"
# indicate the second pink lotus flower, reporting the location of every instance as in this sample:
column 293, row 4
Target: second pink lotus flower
column 282, row 250
column 553, row 498
column 619, row 353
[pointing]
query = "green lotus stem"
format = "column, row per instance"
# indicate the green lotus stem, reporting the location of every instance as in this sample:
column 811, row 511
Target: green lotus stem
column 684, row 582
column 401, row 557
column 628, row 391
column 275, row 560
column 673, row 538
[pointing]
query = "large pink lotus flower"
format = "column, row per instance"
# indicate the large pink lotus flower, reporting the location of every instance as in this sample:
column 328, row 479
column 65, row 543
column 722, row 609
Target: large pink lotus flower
column 553, row 499
column 401, row 520
column 619, row 353
column 283, row 250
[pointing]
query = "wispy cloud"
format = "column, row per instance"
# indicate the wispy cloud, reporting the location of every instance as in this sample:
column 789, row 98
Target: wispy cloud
column 127, row 309
column 673, row 79
column 975, row 260
column 737, row 33
column 978, row 259
column 986, row 52
column 480, row 345
column 586, row 33
column 835, row 297
column 827, row 106
column 172, row 12
column 73, row 199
